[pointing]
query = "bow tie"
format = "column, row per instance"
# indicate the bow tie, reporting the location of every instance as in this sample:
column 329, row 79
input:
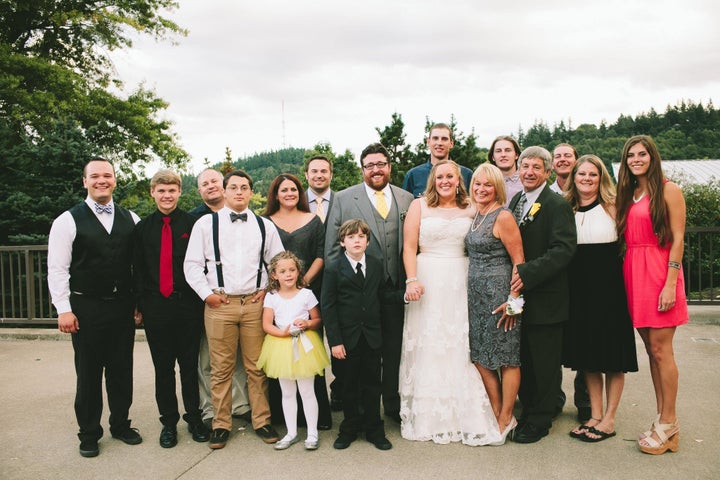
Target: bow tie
column 234, row 216
column 103, row 208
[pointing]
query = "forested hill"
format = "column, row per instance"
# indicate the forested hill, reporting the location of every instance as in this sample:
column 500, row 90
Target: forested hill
column 685, row 131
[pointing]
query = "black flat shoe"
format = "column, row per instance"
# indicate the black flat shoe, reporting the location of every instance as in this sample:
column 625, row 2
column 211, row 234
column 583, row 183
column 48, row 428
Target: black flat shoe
column 529, row 434
column 168, row 437
column 89, row 448
column 200, row 433
column 219, row 438
column 381, row 443
column 131, row 436
column 343, row 441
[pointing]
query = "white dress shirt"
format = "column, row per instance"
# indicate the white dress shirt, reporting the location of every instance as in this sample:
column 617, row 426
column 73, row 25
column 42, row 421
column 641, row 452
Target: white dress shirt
column 387, row 193
column 353, row 264
column 60, row 242
column 239, row 244
column 532, row 197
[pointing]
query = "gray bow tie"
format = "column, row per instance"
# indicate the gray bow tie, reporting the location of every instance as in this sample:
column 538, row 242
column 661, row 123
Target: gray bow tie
column 242, row 216
column 103, row 208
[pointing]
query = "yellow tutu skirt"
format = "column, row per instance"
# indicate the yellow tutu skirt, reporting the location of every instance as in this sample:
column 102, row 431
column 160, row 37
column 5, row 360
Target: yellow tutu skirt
column 286, row 357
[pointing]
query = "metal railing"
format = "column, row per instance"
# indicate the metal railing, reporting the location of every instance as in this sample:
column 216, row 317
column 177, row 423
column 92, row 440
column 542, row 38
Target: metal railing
column 26, row 300
column 701, row 264
column 23, row 280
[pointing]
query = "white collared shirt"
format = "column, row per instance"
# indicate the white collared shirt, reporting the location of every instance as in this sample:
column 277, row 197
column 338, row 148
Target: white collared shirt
column 532, row 197
column 239, row 244
column 387, row 193
column 60, row 242
column 353, row 263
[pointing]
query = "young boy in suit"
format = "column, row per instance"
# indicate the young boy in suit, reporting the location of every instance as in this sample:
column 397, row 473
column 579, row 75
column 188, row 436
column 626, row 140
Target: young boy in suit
column 351, row 313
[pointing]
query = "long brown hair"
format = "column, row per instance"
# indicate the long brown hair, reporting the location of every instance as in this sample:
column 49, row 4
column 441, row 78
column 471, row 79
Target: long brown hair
column 273, row 204
column 431, row 196
column 655, row 182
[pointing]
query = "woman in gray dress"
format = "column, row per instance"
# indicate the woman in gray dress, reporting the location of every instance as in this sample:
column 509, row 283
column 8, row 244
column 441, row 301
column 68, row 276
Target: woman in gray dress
column 494, row 245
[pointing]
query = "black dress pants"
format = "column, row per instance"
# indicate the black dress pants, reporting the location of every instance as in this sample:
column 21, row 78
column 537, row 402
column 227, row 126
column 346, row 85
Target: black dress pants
column 103, row 344
column 173, row 327
column 361, row 394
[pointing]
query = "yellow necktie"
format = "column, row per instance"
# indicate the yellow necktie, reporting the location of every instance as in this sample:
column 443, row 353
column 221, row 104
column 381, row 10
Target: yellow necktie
column 320, row 210
column 381, row 204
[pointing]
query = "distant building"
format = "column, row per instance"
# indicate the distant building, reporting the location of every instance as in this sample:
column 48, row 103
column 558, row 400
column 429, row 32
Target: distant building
column 688, row 171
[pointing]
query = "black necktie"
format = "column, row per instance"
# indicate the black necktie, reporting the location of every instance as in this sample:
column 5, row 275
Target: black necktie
column 359, row 272
column 234, row 216
column 519, row 207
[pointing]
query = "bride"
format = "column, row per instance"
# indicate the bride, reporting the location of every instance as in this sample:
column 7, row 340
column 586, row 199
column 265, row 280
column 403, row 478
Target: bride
column 441, row 393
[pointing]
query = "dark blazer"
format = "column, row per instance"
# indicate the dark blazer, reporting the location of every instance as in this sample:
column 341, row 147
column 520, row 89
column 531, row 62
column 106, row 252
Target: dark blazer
column 549, row 242
column 350, row 308
column 353, row 202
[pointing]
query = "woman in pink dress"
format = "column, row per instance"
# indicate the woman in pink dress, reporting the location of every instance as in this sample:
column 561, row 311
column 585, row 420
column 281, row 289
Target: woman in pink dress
column 651, row 221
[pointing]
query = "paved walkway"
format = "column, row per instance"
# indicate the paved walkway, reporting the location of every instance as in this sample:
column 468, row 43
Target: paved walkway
column 37, row 430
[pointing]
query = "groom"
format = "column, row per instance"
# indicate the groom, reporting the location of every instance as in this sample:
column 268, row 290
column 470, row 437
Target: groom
column 383, row 207
column 547, row 226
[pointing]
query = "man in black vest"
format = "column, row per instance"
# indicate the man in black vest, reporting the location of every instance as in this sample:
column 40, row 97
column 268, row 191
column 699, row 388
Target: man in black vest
column 89, row 276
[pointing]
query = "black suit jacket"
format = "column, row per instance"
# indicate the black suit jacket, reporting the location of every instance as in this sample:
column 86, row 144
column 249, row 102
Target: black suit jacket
column 549, row 242
column 349, row 308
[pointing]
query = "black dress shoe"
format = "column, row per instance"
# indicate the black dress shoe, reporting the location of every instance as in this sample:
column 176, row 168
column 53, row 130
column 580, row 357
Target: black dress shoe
column 168, row 437
column 219, row 438
column 89, row 448
column 394, row 416
column 131, row 436
column 381, row 443
column 529, row 434
column 343, row 441
column 325, row 425
column 198, row 430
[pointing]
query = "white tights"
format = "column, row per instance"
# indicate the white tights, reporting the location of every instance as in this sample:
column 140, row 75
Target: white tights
column 289, row 390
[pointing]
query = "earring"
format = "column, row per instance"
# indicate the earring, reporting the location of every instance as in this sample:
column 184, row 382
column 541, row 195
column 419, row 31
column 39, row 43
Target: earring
column 457, row 190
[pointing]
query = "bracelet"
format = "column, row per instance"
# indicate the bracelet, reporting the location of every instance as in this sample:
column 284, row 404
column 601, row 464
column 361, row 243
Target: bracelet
column 675, row 265
column 410, row 280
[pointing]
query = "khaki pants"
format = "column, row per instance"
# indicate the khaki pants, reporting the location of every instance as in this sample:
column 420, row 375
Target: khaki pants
column 240, row 320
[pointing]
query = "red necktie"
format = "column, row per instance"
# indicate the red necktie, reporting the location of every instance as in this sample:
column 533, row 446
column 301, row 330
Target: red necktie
column 166, row 267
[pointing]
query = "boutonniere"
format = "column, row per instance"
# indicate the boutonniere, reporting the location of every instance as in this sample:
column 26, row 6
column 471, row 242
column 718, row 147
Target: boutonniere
column 403, row 214
column 530, row 215
column 185, row 235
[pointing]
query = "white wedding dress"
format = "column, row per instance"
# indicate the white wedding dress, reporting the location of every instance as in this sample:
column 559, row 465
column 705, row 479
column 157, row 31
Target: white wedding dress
column 442, row 396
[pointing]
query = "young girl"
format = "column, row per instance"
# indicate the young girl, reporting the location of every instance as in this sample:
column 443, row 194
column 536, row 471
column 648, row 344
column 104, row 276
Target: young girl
column 292, row 352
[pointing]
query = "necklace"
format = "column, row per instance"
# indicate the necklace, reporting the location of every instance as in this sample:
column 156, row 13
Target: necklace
column 473, row 227
column 636, row 200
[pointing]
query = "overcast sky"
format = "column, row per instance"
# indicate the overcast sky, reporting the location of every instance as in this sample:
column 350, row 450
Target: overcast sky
column 342, row 68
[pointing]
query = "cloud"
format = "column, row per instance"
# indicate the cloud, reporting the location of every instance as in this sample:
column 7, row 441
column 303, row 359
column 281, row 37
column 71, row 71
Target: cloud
column 342, row 69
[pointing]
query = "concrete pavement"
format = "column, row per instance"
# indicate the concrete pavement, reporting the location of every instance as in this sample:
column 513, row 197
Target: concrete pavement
column 38, row 430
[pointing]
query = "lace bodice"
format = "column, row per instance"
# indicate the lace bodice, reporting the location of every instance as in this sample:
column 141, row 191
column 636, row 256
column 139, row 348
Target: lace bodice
column 442, row 230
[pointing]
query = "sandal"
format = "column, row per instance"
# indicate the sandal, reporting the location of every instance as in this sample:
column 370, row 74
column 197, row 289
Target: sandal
column 600, row 435
column 579, row 431
column 669, row 436
column 652, row 428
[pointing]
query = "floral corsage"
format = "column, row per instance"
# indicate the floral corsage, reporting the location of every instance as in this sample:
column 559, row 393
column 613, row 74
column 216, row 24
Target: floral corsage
column 530, row 216
column 515, row 304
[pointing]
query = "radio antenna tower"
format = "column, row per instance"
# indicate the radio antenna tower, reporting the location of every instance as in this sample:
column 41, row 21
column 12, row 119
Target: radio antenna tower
column 283, row 125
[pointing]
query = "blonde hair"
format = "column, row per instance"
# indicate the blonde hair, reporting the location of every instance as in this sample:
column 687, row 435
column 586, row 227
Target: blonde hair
column 273, row 284
column 494, row 174
column 431, row 196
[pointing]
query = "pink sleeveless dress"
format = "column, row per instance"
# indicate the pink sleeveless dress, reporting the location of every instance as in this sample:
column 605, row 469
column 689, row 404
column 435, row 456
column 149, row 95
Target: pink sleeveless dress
column 645, row 270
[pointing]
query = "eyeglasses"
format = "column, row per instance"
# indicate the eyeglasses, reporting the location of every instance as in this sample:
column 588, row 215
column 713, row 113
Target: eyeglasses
column 371, row 166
